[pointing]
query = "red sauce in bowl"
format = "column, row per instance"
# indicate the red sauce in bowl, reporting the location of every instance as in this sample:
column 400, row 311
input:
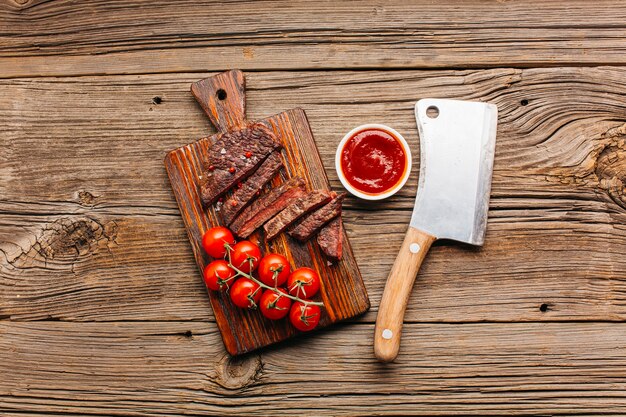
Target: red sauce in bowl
column 373, row 161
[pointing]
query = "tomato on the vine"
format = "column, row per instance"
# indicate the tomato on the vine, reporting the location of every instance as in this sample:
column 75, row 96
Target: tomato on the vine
column 275, row 305
column 217, row 274
column 303, row 283
column 245, row 293
column 304, row 316
column 245, row 256
column 215, row 240
column 274, row 269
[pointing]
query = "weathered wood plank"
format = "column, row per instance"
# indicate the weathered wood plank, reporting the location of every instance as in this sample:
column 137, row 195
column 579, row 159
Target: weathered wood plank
column 104, row 241
column 125, row 276
column 121, row 37
column 174, row 368
column 86, row 122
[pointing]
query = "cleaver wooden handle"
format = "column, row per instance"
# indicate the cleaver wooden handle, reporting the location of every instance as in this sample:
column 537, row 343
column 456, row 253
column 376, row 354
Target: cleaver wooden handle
column 223, row 99
column 397, row 291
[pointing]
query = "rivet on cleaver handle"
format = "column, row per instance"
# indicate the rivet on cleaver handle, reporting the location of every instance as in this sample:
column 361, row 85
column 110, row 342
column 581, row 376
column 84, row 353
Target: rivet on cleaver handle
column 457, row 145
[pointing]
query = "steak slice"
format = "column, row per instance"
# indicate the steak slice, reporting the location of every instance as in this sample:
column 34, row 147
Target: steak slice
column 267, row 206
column 312, row 223
column 330, row 238
column 233, row 157
column 297, row 209
column 241, row 197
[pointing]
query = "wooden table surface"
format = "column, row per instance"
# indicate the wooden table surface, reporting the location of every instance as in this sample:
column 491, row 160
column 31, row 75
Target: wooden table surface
column 102, row 309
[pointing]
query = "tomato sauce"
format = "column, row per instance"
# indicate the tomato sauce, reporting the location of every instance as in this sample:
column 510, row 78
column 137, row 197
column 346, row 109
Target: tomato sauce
column 373, row 161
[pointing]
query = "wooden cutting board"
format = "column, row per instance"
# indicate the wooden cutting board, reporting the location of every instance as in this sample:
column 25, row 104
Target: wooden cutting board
column 223, row 99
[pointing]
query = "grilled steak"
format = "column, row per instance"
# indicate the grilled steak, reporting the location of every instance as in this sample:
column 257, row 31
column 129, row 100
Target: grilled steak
column 233, row 157
column 297, row 209
column 312, row 223
column 267, row 206
column 241, row 197
column 330, row 238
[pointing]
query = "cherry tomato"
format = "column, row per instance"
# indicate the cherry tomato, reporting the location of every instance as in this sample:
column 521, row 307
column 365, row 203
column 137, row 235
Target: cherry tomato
column 217, row 275
column 274, row 269
column 304, row 317
column 303, row 283
column 242, row 253
column 215, row 239
column 275, row 306
column 245, row 293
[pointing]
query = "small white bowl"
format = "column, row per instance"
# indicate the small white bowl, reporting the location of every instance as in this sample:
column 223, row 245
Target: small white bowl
column 388, row 193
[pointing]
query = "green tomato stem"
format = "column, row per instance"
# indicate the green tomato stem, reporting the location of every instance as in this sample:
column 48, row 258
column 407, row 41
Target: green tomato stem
column 267, row 287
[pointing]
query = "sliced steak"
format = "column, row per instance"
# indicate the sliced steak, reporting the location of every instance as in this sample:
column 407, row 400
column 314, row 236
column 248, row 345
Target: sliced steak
column 241, row 197
column 297, row 209
column 312, row 223
column 330, row 238
column 233, row 157
column 267, row 206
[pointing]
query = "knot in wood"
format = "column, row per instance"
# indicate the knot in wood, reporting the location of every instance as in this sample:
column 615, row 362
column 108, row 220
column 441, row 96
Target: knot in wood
column 238, row 372
column 86, row 198
column 66, row 237
column 610, row 168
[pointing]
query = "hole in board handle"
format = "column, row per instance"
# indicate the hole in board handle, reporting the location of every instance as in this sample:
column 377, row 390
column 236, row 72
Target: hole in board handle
column 221, row 94
column 432, row 112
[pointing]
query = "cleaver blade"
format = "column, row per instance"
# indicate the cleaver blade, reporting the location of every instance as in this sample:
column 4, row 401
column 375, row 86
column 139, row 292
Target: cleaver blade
column 457, row 147
column 456, row 151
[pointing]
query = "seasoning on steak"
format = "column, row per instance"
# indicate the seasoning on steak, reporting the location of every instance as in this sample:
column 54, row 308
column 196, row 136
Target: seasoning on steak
column 267, row 206
column 233, row 157
column 297, row 209
column 312, row 223
column 242, row 196
column 330, row 238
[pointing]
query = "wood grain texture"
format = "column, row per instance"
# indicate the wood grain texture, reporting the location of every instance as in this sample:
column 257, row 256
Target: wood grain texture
column 388, row 331
column 175, row 368
column 55, row 38
column 94, row 315
column 555, row 234
column 96, row 320
column 341, row 287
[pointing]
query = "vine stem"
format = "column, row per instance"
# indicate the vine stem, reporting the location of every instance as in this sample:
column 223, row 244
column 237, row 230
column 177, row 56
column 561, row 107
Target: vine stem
column 239, row 272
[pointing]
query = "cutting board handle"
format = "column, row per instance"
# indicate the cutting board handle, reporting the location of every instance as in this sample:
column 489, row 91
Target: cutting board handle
column 223, row 99
column 397, row 291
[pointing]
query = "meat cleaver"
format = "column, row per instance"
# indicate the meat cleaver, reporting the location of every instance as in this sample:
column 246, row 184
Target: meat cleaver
column 457, row 145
